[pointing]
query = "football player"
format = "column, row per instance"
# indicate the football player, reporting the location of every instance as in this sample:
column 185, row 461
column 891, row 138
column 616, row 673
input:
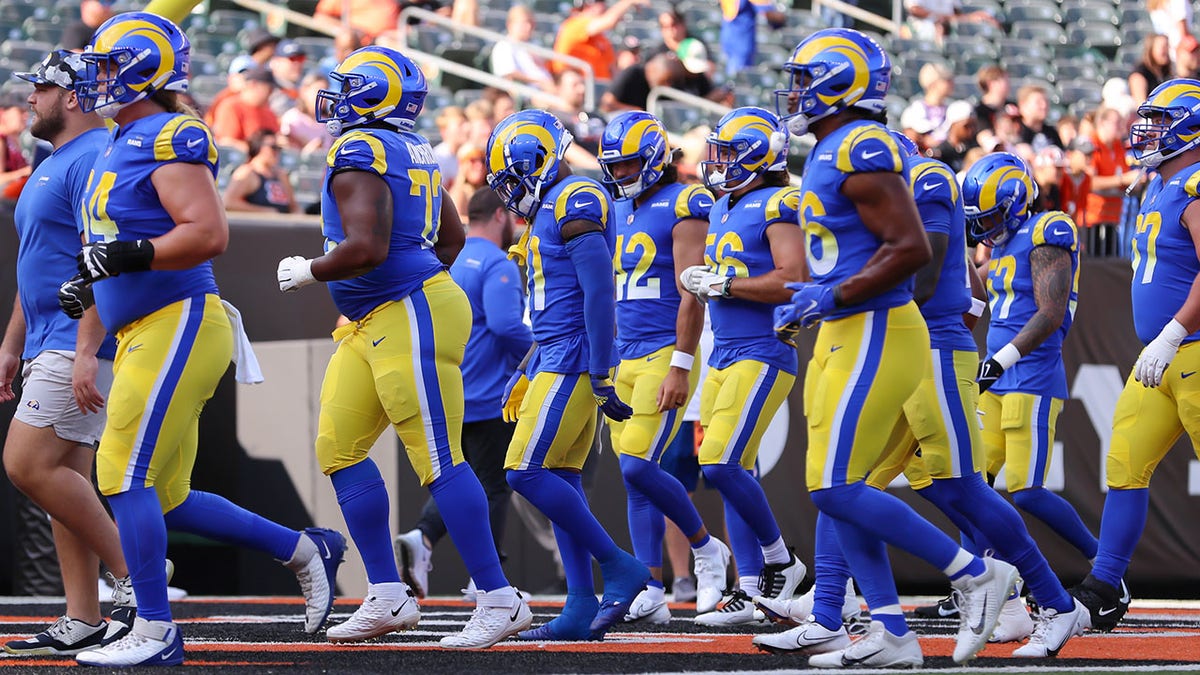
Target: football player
column 660, row 224
column 864, row 242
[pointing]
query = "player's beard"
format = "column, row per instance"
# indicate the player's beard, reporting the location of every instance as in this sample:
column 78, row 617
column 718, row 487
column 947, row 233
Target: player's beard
column 508, row 236
column 48, row 126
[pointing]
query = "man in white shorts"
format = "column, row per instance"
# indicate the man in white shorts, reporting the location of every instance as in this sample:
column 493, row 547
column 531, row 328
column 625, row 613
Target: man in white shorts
column 50, row 448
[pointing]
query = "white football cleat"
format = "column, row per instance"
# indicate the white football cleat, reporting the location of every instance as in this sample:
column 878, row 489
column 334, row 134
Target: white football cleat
column 980, row 600
column 878, row 649
column 388, row 607
column 1054, row 629
column 1015, row 623
column 808, row 637
column 795, row 611
column 649, row 607
column 779, row 580
column 315, row 562
column 150, row 643
column 735, row 609
column 489, row 625
column 414, row 559
column 710, row 571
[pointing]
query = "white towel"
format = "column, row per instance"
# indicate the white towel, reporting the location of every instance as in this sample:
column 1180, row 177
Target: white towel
column 248, row 371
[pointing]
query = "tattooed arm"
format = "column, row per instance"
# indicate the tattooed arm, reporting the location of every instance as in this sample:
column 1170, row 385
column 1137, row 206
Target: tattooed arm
column 1051, row 270
column 364, row 203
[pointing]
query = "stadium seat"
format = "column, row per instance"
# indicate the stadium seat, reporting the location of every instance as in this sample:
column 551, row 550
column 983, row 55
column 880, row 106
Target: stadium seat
column 25, row 52
column 895, row 107
column 232, row 21
column 965, row 86
column 42, row 30
column 1075, row 91
column 1132, row 14
column 972, row 64
column 1036, row 12
column 14, row 13
column 468, row 95
column 978, row 30
column 205, row 64
column 1102, row 36
column 960, row 47
column 493, row 18
column 204, row 87
column 1011, row 48
column 900, row 46
column 1023, row 68
column 1090, row 13
column 677, row 117
column 1044, row 32
column 1077, row 70
column 213, row 44
column 316, row 48
column 1051, row 90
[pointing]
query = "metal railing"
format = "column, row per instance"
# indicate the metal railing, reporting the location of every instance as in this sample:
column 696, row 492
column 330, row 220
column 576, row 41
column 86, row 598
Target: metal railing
column 657, row 93
column 427, row 60
column 589, row 75
column 889, row 25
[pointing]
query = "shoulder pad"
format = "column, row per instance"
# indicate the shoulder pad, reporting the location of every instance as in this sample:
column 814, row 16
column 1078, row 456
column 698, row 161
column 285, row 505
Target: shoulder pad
column 358, row 150
column 783, row 205
column 187, row 139
column 869, row 148
column 582, row 200
column 1055, row 228
column 694, row 201
column 930, row 179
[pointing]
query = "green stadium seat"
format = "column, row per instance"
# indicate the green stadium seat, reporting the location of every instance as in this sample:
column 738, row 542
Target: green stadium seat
column 1045, row 32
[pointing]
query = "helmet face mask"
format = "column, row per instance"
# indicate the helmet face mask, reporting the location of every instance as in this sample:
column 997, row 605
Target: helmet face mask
column 633, row 153
column 523, row 157
column 747, row 143
column 373, row 84
column 132, row 56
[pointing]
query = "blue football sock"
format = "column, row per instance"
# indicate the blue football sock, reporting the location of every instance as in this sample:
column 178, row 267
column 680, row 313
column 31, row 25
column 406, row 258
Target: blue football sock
column 832, row 572
column 664, row 491
column 1058, row 513
column 867, row 557
column 219, row 519
column 565, row 507
column 945, row 494
column 464, row 508
column 890, row 520
column 144, row 543
column 1120, row 528
column 746, row 551
column 577, row 562
column 655, row 583
column 1000, row 524
column 364, row 500
column 743, row 492
column 646, row 527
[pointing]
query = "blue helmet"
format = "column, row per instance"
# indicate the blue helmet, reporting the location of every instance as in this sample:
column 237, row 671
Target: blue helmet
column 374, row 84
column 906, row 144
column 998, row 194
column 132, row 56
column 523, row 156
column 638, row 136
column 829, row 71
column 747, row 143
column 1173, row 111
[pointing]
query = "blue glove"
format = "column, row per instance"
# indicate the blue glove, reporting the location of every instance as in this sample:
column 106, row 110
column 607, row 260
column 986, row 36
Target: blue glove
column 606, row 397
column 787, row 325
column 810, row 303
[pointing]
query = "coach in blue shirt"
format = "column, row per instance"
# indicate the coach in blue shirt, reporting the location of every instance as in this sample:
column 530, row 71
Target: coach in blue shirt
column 499, row 339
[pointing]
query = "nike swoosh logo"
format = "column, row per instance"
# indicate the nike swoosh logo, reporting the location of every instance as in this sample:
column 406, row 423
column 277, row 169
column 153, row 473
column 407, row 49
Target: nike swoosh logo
column 812, row 304
column 651, row 358
column 1105, row 611
column 396, row 612
column 375, row 343
column 134, row 348
column 168, row 655
column 869, row 155
column 835, row 348
column 580, row 205
column 928, row 186
column 325, row 551
column 347, row 150
column 846, row 661
column 978, row 628
column 1187, row 374
column 194, row 142
column 1060, row 233
column 515, row 614
column 1125, row 596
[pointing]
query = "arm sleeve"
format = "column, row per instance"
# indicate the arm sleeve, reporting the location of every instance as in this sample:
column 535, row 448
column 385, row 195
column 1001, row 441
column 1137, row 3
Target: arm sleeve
column 503, row 307
column 593, row 267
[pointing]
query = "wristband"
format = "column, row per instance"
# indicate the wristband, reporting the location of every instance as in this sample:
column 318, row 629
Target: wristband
column 1007, row 356
column 130, row 256
column 977, row 306
column 727, row 287
column 1174, row 333
column 682, row 361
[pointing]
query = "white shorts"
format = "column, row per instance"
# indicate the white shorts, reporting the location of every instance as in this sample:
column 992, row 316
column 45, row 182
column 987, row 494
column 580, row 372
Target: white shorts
column 48, row 399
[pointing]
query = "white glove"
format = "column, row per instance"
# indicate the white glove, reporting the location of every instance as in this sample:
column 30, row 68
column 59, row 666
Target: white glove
column 700, row 281
column 295, row 272
column 1157, row 355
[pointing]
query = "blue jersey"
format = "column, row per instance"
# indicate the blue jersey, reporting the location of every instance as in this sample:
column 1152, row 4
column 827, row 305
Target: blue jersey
column 647, row 296
column 837, row 242
column 406, row 163
column 499, row 337
column 555, row 296
column 121, row 204
column 939, row 202
column 48, row 226
column 1164, row 255
column 1010, row 293
column 737, row 246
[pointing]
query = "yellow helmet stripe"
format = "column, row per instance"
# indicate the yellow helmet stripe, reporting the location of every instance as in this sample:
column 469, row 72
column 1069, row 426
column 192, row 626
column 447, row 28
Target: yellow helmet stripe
column 633, row 139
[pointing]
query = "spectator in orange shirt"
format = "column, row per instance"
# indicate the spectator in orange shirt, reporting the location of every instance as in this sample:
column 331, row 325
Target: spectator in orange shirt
column 583, row 34
column 372, row 17
column 1110, row 176
column 1076, row 183
column 236, row 118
